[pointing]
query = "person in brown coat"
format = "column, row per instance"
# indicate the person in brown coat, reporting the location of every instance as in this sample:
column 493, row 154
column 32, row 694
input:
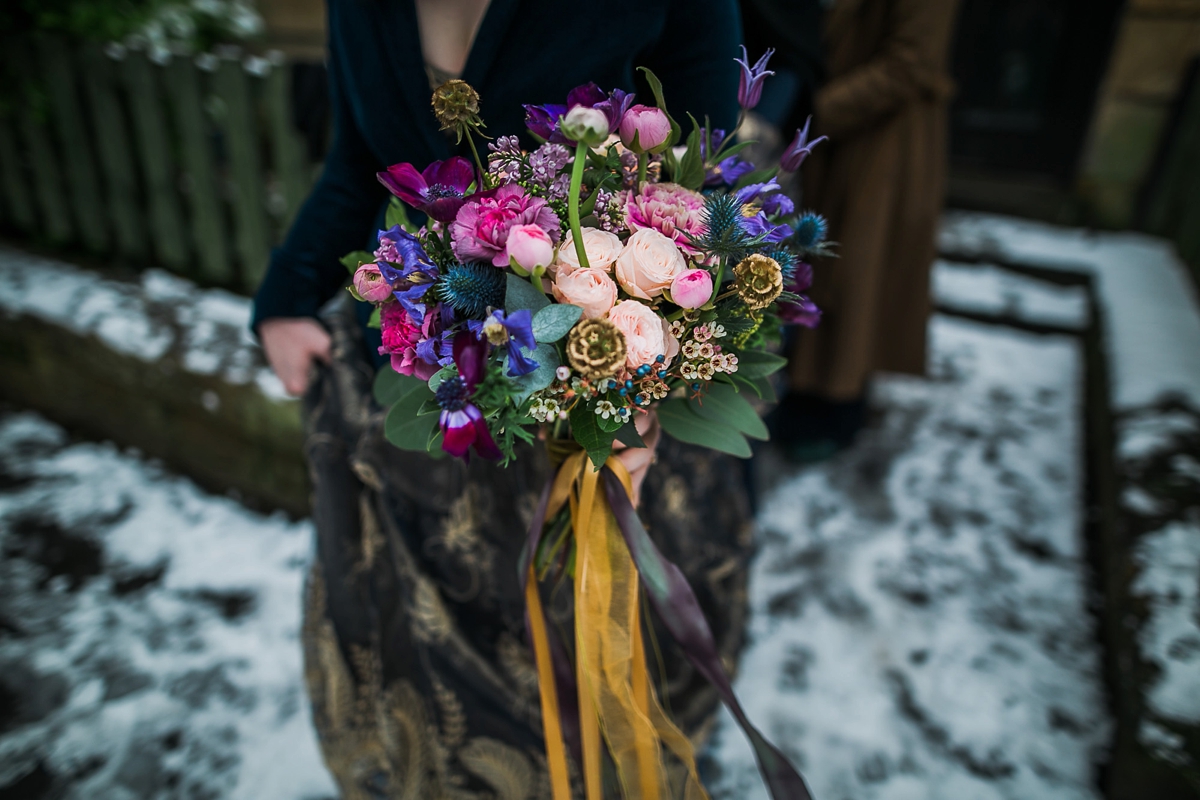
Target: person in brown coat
column 879, row 180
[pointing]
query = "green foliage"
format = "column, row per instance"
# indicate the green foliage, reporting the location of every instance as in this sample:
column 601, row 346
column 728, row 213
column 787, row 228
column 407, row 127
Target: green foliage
column 409, row 424
column 722, row 404
column 690, row 173
column 373, row 320
column 753, row 364
column 656, row 89
column 389, row 386
column 201, row 26
column 397, row 214
column 679, row 419
column 757, row 176
column 555, row 321
column 548, row 361
column 521, row 294
column 352, row 261
column 585, row 426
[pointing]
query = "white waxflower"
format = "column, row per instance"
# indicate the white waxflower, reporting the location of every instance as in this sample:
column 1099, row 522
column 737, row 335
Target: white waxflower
column 718, row 331
column 606, row 409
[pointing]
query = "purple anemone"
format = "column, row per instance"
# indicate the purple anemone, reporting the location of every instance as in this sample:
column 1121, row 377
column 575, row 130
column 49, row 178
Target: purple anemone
column 439, row 191
column 462, row 423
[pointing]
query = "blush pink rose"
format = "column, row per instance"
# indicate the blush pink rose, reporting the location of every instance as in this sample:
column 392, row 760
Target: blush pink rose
column 648, row 264
column 589, row 288
column 651, row 126
column 529, row 246
column 646, row 334
column 669, row 209
column 480, row 230
column 400, row 339
column 370, row 285
column 602, row 249
column 692, row 289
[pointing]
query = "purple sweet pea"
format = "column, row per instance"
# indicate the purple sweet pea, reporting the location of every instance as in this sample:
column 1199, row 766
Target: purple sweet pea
column 751, row 80
column 759, row 225
column 800, row 148
column 769, row 195
column 407, row 268
column 513, row 332
column 462, row 423
column 439, row 191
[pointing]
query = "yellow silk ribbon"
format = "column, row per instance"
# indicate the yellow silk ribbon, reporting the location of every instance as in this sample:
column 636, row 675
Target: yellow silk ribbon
column 617, row 702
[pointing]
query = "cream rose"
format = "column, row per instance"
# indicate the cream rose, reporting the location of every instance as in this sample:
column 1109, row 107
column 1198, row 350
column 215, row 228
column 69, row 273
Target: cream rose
column 590, row 288
column 602, row 249
column 646, row 337
column 648, row 264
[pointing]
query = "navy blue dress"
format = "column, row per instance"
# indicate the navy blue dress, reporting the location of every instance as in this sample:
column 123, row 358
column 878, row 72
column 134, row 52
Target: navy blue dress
column 420, row 680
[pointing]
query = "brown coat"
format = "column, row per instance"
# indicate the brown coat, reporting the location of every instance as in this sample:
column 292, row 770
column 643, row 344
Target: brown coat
column 880, row 182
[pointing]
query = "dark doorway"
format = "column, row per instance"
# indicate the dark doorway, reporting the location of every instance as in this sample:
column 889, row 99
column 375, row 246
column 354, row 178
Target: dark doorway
column 1027, row 74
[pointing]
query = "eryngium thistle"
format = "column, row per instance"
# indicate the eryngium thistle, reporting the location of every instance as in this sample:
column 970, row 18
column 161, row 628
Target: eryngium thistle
column 456, row 106
column 787, row 261
column 811, row 230
column 759, row 281
column 470, row 289
column 723, row 233
column 596, row 349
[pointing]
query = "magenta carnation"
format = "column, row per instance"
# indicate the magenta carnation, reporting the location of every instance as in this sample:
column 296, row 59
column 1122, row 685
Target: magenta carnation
column 669, row 209
column 480, row 231
column 400, row 339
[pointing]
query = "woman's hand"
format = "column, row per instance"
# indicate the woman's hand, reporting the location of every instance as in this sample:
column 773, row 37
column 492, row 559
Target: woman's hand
column 638, row 459
column 291, row 345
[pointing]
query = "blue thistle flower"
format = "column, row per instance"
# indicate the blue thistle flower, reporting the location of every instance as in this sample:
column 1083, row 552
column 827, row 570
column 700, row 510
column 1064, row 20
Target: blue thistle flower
column 786, row 259
column 470, row 289
column 724, row 234
column 811, row 229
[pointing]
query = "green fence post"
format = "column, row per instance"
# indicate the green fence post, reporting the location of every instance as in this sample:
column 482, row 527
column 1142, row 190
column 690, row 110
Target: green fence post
column 16, row 188
column 196, row 143
column 237, row 121
column 154, row 150
column 83, row 184
column 113, row 142
column 290, row 161
column 32, row 118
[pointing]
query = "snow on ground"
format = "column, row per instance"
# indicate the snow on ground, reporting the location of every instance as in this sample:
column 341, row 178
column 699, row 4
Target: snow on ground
column 147, row 319
column 919, row 622
column 987, row 289
column 1151, row 313
column 148, row 632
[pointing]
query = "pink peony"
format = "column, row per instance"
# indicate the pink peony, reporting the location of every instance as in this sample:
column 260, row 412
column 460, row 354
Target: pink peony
column 529, row 246
column 692, row 289
column 646, row 334
column 370, row 285
column 400, row 339
column 480, row 231
column 650, row 126
column 669, row 209
column 590, row 288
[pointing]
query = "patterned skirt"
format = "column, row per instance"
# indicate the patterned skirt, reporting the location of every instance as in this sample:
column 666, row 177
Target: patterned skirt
column 421, row 680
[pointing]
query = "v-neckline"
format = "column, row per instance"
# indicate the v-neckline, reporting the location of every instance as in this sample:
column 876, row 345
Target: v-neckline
column 409, row 61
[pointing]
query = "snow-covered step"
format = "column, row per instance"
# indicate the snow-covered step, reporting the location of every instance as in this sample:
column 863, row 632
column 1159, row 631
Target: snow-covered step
column 991, row 291
column 155, row 362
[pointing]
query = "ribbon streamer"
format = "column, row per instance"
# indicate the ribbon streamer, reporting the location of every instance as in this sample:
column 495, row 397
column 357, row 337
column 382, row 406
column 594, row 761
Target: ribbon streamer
column 617, row 701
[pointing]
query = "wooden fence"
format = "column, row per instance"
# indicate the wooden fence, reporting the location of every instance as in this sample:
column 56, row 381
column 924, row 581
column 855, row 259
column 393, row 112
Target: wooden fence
column 188, row 163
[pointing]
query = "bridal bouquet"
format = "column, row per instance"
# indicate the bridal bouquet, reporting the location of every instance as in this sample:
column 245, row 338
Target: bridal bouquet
column 615, row 269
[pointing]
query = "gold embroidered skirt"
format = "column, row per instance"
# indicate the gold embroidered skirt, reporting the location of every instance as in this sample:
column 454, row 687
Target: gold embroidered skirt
column 421, row 681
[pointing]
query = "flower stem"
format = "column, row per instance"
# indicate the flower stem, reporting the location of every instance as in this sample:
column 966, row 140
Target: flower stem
column 478, row 163
column 573, row 203
column 642, row 159
column 719, row 278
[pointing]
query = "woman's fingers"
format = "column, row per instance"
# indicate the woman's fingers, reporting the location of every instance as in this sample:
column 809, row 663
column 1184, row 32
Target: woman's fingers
column 291, row 346
column 638, row 459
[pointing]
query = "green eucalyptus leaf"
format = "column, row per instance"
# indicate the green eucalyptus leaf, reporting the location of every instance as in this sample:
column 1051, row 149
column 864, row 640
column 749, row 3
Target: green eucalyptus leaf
column 723, row 404
column 585, row 427
column 754, row 364
column 555, row 321
column 435, row 380
column 546, row 355
column 405, row 426
column 678, row 420
column 373, row 320
column 352, row 261
column 390, row 385
column 519, row 294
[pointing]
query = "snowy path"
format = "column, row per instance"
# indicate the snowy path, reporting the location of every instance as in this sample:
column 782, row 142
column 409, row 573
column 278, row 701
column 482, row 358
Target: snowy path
column 919, row 625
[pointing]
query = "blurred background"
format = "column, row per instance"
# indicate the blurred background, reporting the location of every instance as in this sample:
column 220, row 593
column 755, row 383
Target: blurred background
column 990, row 590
